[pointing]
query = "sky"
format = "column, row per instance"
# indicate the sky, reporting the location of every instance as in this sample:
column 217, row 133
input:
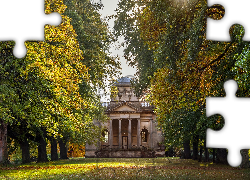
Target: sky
column 109, row 9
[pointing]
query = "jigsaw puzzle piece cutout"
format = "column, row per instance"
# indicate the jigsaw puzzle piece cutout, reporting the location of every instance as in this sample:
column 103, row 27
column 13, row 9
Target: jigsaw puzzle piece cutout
column 28, row 20
column 235, row 134
column 236, row 12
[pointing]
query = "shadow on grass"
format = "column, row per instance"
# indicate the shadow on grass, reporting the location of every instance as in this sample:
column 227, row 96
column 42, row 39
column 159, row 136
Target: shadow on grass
column 123, row 168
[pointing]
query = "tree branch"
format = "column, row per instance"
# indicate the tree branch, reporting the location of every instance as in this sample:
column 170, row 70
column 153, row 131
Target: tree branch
column 217, row 59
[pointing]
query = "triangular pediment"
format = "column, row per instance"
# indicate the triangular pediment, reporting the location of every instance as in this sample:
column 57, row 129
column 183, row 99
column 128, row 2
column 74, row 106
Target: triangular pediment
column 124, row 108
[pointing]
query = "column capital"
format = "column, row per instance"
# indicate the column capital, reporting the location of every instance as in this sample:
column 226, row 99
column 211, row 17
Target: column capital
column 129, row 119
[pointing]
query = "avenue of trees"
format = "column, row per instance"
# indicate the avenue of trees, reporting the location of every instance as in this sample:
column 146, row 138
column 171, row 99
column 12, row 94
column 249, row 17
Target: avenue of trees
column 51, row 94
column 178, row 68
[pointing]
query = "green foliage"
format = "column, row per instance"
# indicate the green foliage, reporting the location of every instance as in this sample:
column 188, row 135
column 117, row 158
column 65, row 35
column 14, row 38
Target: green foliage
column 53, row 90
column 194, row 69
column 136, row 52
column 177, row 66
column 94, row 39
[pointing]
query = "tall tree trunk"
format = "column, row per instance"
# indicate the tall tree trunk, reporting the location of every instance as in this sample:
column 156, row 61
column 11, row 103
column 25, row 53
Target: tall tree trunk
column 42, row 153
column 195, row 147
column 200, row 159
column 222, row 156
column 206, row 155
column 213, row 155
column 217, row 156
column 24, row 144
column 3, row 143
column 187, row 153
column 63, row 149
column 245, row 158
column 206, row 152
column 54, row 155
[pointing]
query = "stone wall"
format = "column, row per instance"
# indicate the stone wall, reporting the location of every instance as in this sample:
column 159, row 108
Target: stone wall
column 90, row 151
column 125, row 154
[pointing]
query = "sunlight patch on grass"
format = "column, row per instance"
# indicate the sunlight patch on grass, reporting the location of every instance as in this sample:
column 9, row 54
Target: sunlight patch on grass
column 123, row 168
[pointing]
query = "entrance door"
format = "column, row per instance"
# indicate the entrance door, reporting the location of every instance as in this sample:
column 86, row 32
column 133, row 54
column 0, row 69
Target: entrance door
column 124, row 142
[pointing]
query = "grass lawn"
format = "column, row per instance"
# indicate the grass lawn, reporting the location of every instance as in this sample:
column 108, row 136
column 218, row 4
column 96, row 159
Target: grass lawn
column 123, row 168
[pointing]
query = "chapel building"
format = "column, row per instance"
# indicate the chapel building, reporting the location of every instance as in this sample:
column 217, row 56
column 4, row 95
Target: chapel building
column 132, row 129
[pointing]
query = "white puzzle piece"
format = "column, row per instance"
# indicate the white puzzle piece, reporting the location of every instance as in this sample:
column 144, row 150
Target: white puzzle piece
column 236, row 12
column 28, row 21
column 235, row 134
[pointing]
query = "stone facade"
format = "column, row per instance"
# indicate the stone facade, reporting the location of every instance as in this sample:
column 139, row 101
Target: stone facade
column 132, row 129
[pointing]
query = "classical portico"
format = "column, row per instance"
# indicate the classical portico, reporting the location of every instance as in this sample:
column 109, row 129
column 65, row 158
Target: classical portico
column 125, row 140
column 132, row 125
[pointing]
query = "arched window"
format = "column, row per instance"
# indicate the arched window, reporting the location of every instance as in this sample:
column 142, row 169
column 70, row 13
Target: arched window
column 144, row 135
column 105, row 134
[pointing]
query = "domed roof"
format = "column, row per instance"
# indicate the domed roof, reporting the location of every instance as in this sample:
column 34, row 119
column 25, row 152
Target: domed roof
column 125, row 81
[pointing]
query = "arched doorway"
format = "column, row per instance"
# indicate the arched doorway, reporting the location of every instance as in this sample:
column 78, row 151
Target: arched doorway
column 144, row 136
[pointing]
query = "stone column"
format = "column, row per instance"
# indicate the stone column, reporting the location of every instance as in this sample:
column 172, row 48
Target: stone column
column 151, row 133
column 138, row 133
column 120, row 133
column 129, row 133
column 110, row 134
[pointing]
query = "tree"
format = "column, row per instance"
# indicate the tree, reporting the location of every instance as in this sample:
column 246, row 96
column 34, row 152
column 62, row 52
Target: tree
column 53, row 149
column 186, row 67
column 187, row 81
column 49, row 93
column 72, row 110
column 94, row 40
column 137, row 52
column 19, row 105
column 3, row 143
